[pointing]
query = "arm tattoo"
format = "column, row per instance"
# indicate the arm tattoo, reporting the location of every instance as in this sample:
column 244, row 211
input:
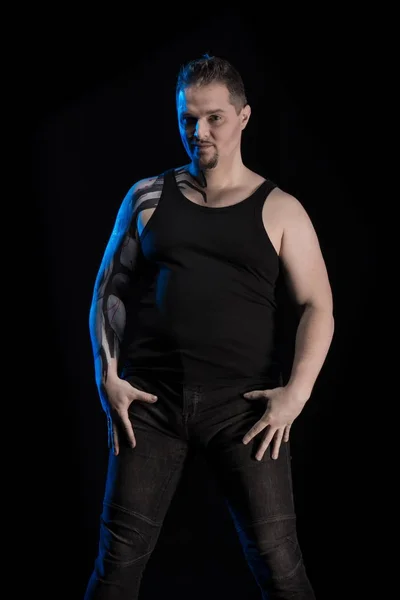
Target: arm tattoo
column 107, row 311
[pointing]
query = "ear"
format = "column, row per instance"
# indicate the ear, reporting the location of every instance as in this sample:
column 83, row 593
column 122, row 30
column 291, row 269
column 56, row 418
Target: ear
column 245, row 115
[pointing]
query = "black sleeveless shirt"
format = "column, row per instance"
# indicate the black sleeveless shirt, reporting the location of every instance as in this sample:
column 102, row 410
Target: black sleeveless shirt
column 203, row 308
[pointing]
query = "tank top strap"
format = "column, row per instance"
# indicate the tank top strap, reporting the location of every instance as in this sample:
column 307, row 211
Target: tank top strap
column 169, row 179
column 263, row 191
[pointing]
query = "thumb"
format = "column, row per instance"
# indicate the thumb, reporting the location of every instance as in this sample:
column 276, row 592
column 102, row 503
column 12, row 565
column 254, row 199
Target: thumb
column 256, row 394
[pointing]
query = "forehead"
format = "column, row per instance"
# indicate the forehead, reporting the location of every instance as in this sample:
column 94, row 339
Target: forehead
column 205, row 98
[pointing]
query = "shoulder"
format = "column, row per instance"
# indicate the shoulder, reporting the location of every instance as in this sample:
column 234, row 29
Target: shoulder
column 300, row 249
column 288, row 209
column 286, row 201
column 145, row 185
column 142, row 190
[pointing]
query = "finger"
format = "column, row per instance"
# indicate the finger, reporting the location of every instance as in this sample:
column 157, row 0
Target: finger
column 145, row 397
column 259, row 426
column 255, row 394
column 286, row 434
column 115, row 439
column 128, row 428
column 265, row 443
column 277, row 443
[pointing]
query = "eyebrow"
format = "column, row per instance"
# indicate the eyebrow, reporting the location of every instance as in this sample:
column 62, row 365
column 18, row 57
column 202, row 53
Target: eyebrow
column 208, row 112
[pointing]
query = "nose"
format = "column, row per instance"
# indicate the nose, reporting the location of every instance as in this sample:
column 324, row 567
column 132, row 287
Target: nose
column 202, row 130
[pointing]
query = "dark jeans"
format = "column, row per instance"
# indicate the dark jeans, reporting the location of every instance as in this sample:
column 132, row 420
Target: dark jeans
column 141, row 483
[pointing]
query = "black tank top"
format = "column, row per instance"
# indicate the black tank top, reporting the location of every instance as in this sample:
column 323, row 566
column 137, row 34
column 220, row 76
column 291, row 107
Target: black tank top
column 203, row 308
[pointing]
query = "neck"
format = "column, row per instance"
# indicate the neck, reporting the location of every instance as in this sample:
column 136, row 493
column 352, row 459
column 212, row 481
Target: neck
column 226, row 174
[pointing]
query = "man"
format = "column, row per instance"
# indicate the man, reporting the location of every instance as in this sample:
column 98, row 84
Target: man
column 184, row 337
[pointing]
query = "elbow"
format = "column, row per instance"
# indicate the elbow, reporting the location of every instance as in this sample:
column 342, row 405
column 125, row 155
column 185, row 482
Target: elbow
column 321, row 308
column 326, row 316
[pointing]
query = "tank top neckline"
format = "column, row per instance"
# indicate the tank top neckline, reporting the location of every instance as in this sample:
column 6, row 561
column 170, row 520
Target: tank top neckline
column 216, row 209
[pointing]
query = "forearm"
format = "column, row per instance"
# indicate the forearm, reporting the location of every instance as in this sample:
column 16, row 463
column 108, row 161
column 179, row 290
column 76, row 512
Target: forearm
column 313, row 339
column 107, row 317
column 107, row 324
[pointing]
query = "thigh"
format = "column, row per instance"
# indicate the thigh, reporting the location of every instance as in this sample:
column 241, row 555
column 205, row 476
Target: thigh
column 256, row 490
column 143, row 479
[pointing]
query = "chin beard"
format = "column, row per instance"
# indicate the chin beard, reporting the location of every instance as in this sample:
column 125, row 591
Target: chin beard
column 211, row 163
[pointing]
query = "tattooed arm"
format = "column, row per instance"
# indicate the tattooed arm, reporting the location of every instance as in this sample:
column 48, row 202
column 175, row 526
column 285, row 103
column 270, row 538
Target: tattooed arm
column 107, row 316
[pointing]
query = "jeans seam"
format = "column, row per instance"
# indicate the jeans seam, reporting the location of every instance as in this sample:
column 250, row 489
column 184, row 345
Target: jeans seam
column 292, row 572
column 134, row 513
column 268, row 520
column 131, row 562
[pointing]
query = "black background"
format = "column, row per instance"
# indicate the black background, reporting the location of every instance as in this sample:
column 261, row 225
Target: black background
column 104, row 116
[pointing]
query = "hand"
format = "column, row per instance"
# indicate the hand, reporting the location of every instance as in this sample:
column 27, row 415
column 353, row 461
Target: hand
column 119, row 395
column 283, row 406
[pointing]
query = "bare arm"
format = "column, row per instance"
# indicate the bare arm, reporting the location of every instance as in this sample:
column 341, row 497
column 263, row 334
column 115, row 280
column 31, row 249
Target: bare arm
column 107, row 317
column 310, row 287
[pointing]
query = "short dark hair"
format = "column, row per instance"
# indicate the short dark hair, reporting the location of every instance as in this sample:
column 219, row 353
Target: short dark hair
column 213, row 69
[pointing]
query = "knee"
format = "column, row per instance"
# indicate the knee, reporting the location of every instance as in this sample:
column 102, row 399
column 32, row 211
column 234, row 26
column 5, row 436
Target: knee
column 124, row 536
column 276, row 543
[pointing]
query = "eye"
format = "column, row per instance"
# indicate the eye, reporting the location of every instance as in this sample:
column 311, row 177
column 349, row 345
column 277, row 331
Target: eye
column 215, row 118
column 188, row 121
